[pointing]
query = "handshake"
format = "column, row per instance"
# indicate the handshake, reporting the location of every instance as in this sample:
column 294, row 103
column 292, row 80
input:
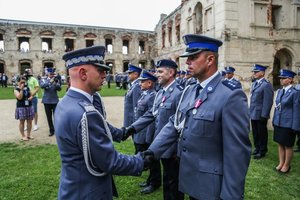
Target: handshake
column 127, row 131
column 148, row 158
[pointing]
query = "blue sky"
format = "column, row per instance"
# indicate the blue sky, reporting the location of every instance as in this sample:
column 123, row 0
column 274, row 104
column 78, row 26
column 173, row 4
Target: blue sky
column 133, row 14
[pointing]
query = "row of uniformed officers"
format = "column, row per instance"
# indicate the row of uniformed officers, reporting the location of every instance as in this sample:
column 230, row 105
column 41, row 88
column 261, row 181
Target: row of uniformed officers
column 199, row 132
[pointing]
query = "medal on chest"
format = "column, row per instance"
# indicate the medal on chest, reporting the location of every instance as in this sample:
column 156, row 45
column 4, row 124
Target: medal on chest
column 163, row 100
column 196, row 106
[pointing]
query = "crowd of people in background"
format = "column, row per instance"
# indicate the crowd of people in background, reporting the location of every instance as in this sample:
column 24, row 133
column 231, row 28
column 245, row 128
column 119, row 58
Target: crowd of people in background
column 194, row 123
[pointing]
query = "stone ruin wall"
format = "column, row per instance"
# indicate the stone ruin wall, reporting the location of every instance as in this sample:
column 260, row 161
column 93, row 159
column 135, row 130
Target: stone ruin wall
column 12, row 56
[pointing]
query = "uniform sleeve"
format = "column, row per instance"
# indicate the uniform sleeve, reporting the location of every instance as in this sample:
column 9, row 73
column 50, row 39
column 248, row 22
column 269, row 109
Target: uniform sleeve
column 165, row 139
column 44, row 84
column 136, row 95
column 236, row 146
column 151, row 127
column 267, row 101
column 116, row 133
column 104, row 155
column 144, row 121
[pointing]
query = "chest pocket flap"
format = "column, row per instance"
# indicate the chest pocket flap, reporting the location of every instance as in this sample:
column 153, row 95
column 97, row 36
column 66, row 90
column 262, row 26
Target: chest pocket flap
column 167, row 105
column 208, row 115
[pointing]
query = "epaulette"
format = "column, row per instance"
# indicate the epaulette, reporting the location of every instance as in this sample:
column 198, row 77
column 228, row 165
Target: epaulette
column 179, row 87
column 232, row 84
column 88, row 107
column 152, row 93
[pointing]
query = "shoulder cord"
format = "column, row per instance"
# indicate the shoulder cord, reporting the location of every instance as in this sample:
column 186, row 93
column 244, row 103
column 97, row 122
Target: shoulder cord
column 178, row 114
column 86, row 145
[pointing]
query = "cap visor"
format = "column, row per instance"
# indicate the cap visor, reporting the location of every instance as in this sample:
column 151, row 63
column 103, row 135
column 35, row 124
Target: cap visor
column 142, row 79
column 187, row 54
column 284, row 77
column 102, row 66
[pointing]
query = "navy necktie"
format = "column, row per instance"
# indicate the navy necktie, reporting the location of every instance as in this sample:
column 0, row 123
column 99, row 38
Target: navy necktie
column 283, row 91
column 198, row 88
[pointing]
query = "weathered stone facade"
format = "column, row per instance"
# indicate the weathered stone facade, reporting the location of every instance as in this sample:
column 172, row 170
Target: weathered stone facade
column 253, row 31
column 39, row 45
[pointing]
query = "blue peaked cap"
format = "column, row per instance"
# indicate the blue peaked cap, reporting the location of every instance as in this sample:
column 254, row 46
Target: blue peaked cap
column 257, row 68
column 229, row 69
column 198, row 43
column 299, row 71
column 166, row 63
column 284, row 73
column 182, row 72
column 51, row 70
column 147, row 76
column 133, row 68
column 91, row 55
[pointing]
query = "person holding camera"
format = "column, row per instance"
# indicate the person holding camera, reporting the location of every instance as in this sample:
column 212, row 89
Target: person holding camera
column 34, row 87
column 51, row 85
column 24, row 111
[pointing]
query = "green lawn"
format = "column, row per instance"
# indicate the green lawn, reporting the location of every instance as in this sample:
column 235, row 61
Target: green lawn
column 8, row 93
column 32, row 172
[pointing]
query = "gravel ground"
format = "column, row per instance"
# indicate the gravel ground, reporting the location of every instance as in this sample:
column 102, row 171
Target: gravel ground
column 9, row 125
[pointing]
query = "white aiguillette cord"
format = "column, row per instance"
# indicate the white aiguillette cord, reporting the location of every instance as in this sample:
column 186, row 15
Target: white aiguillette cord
column 177, row 125
column 86, row 145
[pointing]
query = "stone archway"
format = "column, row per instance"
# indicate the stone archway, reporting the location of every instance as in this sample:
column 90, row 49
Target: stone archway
column 282, row 60
column 24, row 64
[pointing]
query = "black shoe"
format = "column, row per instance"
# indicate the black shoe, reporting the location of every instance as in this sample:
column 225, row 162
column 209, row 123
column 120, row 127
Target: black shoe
column 149, row 189
column 144, row 184
column 258, row 156
column 255, row 152
column 51, row 134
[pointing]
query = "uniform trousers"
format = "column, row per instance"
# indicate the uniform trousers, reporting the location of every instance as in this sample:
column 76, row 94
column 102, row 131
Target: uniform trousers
column 170, row 179
column 260, row 135
column 50, row 109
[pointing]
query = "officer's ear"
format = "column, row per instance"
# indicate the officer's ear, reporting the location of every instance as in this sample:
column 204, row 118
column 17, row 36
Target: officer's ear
column 210, row 58
column 82, row 73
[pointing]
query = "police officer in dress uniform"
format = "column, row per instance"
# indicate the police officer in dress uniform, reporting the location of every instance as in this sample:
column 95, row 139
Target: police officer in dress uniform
column 229, row 73
column 286, row 120
column 84, row 138
column 182, row 77
column 214, row 146
column 164, row 107
column 157, row 85
column 261, row 101
column 51, row 86
column 132, row 95
column 189, row 79
column 143, row 138
column 297, row 149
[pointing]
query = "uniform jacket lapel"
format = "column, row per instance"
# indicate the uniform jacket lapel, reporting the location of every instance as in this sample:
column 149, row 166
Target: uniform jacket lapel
column 204, row 94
